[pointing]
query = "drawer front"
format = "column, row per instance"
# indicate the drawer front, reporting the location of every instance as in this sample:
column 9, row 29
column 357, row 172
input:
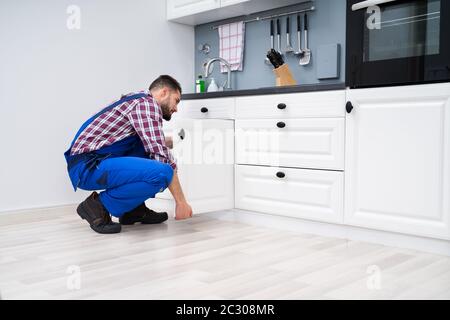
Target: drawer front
column 292, row 105
column 222, row 108
column 301, row 193
column 301, row 143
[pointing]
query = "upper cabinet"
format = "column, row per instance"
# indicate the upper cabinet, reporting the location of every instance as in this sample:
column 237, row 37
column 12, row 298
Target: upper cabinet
column 188, row 8
column 194, row 12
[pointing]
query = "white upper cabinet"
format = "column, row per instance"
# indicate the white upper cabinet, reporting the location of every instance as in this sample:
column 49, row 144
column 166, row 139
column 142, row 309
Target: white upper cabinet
column 225, row 3
column 194, row 12
column 183, row 8
column 397, row 163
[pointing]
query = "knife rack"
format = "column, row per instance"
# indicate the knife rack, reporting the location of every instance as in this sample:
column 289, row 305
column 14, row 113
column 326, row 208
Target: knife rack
column 283, row 76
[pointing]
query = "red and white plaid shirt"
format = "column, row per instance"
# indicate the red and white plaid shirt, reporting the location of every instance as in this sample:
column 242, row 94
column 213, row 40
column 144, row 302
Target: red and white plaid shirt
column 141, row 116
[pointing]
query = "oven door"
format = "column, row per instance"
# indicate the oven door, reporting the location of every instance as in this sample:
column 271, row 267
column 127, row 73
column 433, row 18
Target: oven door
column 395, row 42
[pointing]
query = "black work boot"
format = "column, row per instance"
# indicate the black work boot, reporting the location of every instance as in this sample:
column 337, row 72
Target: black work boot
column 143, row 215
column 96, row 214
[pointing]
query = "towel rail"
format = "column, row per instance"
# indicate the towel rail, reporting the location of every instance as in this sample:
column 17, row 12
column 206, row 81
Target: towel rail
column 312, row 8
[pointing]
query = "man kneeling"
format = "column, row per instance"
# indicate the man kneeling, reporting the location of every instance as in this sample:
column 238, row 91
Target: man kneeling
column 122, row 151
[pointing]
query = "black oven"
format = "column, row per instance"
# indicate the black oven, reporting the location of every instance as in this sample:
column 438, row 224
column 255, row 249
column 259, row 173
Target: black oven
column 396, row 42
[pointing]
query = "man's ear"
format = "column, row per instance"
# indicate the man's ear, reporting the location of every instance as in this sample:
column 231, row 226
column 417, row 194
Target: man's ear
column 166, row 92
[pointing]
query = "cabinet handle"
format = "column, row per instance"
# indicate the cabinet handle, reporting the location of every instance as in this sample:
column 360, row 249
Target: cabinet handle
column 349, row 107
column 204, row 110
column 181, row 134
column 281, row 124
column 280, row 175
column 281, row 106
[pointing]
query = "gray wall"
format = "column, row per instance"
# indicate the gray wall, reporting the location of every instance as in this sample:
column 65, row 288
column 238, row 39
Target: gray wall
column 326, row 26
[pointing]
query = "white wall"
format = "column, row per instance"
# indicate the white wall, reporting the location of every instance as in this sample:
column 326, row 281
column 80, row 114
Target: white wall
column 52, row 79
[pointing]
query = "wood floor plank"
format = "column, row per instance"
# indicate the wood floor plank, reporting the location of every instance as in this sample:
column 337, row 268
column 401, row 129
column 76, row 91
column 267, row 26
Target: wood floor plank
column 202, row 258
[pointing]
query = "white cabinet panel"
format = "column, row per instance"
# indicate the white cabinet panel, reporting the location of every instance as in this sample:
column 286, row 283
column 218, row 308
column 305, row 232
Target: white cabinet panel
column 225, row 3
column 292, row 105
column 180, row 8
column 205, row 160
column 195, row 12
column 397, row 169
column 303, row 143
column 220, row 108
column 308, row 194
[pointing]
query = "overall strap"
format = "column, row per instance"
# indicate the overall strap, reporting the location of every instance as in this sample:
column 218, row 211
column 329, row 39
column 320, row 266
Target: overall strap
column 112, row 106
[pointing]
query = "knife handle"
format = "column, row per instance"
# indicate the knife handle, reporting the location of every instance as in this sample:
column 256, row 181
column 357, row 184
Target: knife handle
column 278, row 27
column 271, row 28
column 287, row 25
column 299, row 27
column 305, row 21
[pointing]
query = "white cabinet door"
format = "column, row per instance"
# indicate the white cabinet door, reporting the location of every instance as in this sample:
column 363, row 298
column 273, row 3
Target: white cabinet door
column 180, row 8
column 195, row 12
column 299, row 193
column 225, row 3
column 397, row 164
column 303, row 143
column 204, row 150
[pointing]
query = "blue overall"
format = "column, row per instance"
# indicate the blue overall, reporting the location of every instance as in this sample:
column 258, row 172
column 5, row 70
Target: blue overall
column 123, row 170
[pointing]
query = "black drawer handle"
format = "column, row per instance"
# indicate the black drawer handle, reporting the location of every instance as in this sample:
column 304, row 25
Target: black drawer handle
column 349, row 107
column 281, row 106
column 281, row 175
column 204, row 110
column 181, row 134
column 281, row 124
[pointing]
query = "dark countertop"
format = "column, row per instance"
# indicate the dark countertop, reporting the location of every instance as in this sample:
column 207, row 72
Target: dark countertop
column 262, row 91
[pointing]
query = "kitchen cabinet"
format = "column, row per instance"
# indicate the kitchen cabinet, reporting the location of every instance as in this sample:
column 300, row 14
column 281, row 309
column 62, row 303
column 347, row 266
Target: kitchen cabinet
column 292, row 105
column 397, row 163
column 195, row 12
column 299, row 193
column 225, row 3
column 281, row 141
column 182, row 8
column 204, row 149
column 219, row 108
column 303, row 143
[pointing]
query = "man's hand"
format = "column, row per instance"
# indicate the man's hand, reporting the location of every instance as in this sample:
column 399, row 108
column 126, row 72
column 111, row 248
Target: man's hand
column 169, row 142
column 183, row 211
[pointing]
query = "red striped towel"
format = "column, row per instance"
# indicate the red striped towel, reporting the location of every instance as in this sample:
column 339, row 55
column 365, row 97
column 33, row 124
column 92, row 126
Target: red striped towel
column 232, row 45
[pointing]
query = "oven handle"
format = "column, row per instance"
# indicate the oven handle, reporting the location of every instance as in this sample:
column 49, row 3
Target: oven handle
column 368, row 3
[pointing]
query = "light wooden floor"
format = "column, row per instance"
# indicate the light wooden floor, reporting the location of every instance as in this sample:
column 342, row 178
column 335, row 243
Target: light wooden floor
column 203, row 258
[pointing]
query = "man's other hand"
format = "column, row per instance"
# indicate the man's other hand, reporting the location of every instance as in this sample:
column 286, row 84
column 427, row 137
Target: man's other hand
column 183, row 211
column 169, row 142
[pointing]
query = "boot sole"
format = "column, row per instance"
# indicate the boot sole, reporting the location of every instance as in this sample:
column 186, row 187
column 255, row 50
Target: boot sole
column 137, row 220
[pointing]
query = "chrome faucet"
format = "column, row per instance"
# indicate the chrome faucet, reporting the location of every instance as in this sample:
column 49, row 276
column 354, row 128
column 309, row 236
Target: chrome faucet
column 226, row 63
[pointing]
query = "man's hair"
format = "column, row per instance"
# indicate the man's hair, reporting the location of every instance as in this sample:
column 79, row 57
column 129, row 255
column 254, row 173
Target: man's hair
column 165, row 81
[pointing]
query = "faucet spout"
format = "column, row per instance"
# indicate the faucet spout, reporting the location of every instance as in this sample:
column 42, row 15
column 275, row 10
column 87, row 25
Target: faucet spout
column 223, row 61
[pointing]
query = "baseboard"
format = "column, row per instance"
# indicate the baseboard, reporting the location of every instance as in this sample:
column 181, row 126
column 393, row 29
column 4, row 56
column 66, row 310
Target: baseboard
column 391, row 239
column 48, row 209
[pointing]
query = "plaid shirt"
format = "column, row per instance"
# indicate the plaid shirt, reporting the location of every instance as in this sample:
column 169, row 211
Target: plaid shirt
column 141, row 116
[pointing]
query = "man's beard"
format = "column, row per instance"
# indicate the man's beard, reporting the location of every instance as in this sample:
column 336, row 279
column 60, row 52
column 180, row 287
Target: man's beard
column 167, row 115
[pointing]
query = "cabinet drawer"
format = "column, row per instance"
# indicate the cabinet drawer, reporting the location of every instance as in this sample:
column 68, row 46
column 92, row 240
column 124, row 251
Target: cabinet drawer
column 301, row 193
column 292, row 105
column 302, row 143
column 222, row 108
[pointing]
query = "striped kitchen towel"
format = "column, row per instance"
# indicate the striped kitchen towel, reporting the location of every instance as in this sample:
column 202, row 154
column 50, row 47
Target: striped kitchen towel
column 231, row 38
